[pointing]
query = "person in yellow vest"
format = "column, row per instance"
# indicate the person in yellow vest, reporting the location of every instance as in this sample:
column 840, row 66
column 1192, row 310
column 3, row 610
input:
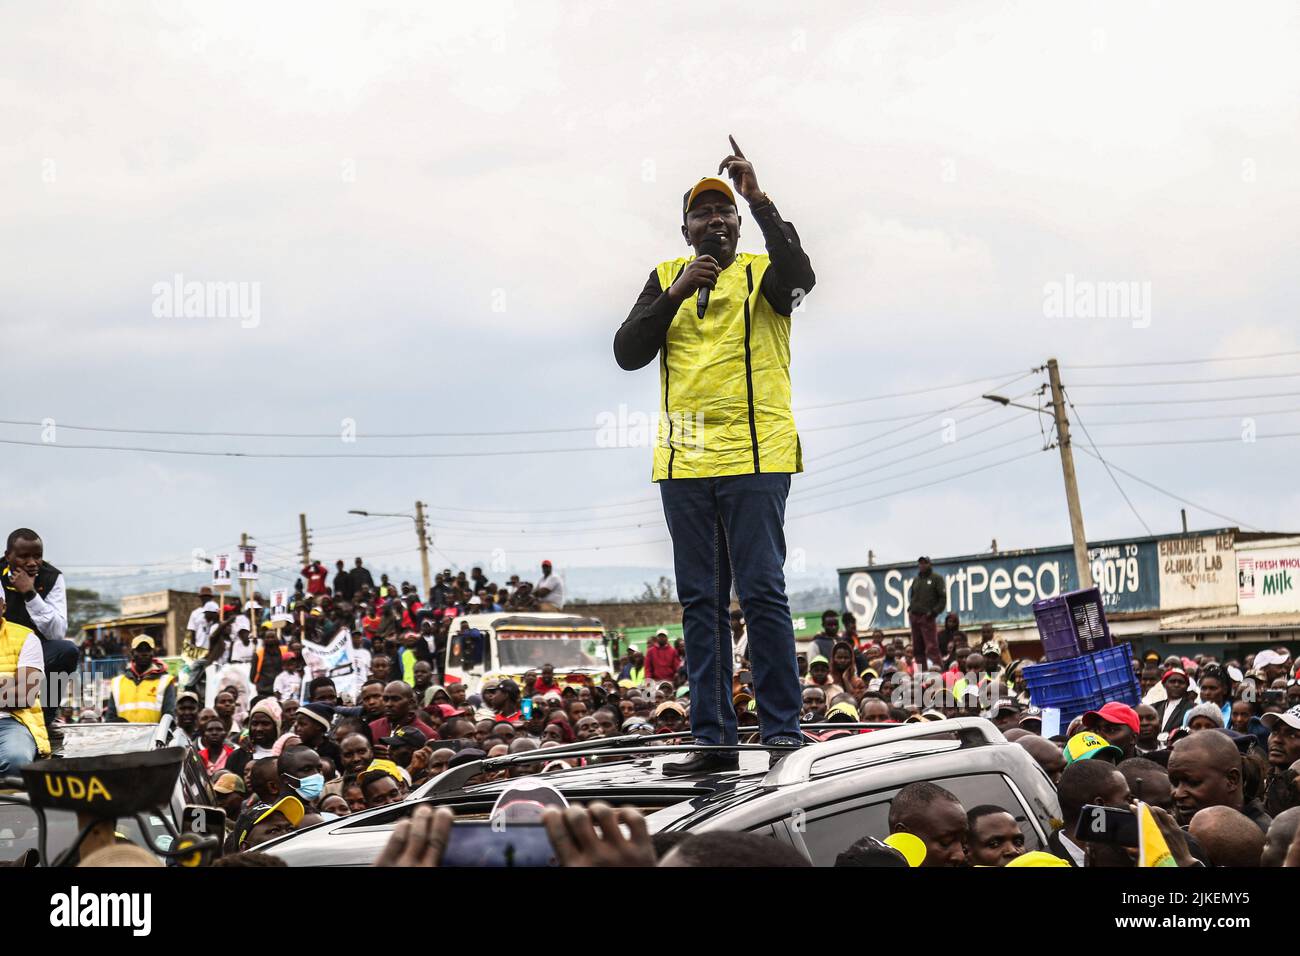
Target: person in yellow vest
column 22, row 668
column 143, row 692
column 719, row 322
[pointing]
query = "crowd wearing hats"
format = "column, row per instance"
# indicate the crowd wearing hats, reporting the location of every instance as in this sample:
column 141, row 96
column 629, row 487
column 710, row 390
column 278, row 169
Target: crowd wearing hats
column 1213, row 748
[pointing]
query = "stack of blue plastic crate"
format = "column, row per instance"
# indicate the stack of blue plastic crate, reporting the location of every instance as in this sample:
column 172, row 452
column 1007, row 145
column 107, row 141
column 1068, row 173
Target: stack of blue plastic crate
column 1081, row 670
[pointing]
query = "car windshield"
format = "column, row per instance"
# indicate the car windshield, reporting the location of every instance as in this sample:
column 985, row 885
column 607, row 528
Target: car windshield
column 18, row 831
column 560, row 649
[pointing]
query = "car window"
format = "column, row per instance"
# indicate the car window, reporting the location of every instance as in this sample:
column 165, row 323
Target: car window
column 829, row 830
column 18, row 831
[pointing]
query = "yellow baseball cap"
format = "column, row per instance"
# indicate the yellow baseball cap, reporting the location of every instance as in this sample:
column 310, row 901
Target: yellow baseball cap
column 142, row 639
column 1086, row 745
column 843, row 709
column 911, row 846
column 707, row 184
column 1038, row 858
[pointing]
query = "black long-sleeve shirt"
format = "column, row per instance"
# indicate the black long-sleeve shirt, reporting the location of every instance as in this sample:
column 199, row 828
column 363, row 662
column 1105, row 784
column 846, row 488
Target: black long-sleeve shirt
column 788, row 278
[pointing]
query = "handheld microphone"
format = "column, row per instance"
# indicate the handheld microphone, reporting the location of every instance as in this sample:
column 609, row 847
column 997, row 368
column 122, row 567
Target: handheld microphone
column 708, row 247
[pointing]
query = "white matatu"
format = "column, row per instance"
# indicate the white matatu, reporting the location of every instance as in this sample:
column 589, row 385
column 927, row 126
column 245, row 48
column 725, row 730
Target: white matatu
column 509, row 643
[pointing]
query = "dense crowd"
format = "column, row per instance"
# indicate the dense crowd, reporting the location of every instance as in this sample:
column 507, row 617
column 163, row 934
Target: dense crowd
column 1212, row 749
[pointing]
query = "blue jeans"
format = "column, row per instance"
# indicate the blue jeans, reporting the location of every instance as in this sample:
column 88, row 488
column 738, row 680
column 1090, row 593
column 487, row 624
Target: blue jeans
column 17, row 746
column 725, row 528
column 61, row 660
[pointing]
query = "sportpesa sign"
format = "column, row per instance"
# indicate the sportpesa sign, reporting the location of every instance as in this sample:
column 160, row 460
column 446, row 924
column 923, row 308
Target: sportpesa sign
column 1131, row 575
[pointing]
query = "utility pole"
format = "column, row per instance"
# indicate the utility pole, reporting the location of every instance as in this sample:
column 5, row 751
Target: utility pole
column 243, row 585
column 1067, row 470
column 424, row 548
column 302, row 531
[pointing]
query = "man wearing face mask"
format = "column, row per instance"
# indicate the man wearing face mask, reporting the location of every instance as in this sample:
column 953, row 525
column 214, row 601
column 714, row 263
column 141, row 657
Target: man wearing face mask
column 300, row 776
column 719, row 322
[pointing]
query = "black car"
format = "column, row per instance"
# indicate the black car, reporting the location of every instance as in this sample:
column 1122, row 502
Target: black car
column 18, row 822
column 821, row 798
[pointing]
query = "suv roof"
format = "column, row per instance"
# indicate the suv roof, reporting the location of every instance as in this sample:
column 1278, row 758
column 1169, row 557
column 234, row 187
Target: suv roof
column 720, row 800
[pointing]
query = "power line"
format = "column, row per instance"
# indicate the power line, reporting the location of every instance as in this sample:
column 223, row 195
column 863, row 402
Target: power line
column 1188, row 401
column 312, row 455
column 1196, row 361
column 920, row 391
column 1106, row 464
column 575, row 429
column 1185, row 381
column 918, row 454
column 1236, row 521
column 928, row 484
column 1199, row 441
column 914, row 471
column 1193, row 418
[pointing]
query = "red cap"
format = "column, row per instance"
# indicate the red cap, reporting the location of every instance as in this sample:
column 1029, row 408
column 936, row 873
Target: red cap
column 1114, row 713
column 1171, row 672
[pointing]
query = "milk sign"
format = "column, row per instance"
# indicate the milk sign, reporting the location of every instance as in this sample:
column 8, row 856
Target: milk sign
column 1004, row 587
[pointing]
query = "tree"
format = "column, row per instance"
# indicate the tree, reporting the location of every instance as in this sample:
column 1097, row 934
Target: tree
column 657, row 594
column 84, row 606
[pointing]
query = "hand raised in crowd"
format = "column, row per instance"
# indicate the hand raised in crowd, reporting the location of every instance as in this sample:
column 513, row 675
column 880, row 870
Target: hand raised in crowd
column 420, row 761
column 574, row 836
column 741, row 172
column 418, row 841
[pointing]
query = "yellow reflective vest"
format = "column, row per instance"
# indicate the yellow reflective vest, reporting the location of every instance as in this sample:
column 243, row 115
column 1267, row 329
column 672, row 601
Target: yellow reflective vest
column 142, row 702
column 724, row 381
column 12, row 637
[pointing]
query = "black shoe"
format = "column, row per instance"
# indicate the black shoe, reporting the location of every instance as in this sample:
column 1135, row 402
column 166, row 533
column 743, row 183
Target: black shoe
column 702, row 761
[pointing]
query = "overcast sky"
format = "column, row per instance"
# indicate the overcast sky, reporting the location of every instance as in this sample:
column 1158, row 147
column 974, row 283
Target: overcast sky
column 446, row 211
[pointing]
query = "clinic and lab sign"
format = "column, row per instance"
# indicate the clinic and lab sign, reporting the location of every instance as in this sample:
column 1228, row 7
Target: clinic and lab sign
column 1137, row 574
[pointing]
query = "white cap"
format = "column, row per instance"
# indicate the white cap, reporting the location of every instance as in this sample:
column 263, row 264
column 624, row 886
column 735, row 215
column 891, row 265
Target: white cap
column 211, row 608
column 1291, row 718
column 1270, row 657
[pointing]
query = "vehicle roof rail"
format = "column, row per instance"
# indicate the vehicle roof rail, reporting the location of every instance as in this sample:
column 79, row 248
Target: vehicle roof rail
column 797, row 766
column 453, row 778
column 456, row 777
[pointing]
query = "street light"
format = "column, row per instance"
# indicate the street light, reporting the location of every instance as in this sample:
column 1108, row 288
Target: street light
column 418, row 518
column 1006, row 401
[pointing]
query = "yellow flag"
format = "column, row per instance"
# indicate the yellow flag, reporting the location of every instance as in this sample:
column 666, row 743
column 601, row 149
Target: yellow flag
column 1152, row 848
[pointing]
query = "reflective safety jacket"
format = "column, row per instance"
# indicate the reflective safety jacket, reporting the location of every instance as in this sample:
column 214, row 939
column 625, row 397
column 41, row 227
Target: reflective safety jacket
column 141, row 701
column 12, row 637
column 724, row 381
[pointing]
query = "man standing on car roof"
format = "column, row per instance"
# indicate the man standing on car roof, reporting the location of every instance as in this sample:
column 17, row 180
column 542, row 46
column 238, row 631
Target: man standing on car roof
column 719, row 321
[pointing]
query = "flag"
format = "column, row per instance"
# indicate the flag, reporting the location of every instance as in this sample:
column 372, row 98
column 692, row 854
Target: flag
column 1152, row 848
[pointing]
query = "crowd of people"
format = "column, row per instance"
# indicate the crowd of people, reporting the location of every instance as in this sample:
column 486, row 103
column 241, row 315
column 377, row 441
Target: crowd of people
column 1212, row 749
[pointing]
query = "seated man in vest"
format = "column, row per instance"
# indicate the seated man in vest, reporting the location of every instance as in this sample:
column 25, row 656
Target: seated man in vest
column 22, row 727
column 36, row 598
column 719, row 322
column 144, row 691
